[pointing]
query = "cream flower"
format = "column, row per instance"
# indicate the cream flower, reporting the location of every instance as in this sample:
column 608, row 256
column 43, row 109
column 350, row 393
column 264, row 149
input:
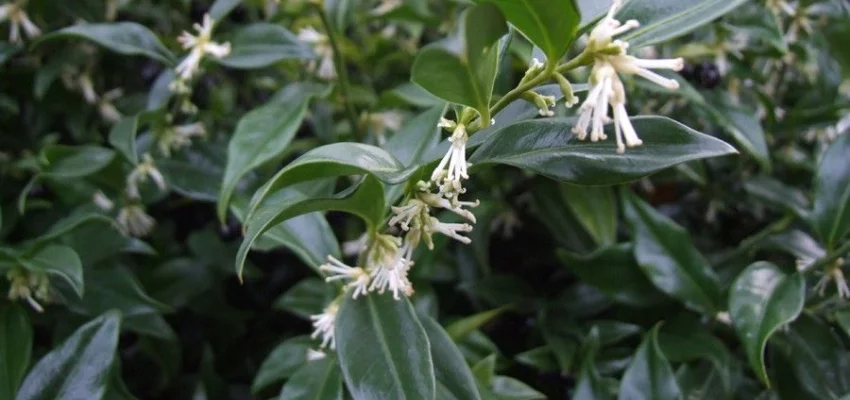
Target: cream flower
column 177, row 137
column 453, row 168
column 198, row 46
column 323, row 325
column 358, row 277
column 133, row 221
column 606, row 89
column 146, row 169
column 18, row 18
column 325, row 67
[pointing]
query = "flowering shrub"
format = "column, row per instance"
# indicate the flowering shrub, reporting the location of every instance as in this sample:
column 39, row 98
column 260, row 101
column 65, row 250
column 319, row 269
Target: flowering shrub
column 424, row 199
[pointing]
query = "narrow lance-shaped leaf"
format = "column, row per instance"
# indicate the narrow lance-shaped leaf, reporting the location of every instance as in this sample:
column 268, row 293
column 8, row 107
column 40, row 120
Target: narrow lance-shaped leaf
column 264, row 134
column 662, row 20
column 383, row 350
column 831, row 215
column 15, row 348
column 315, row 380
column 649, row 376
column 260, row 45
column 761, row 300
column 669, row 258
column 122, row 136
column 365, row 200
column 122, row 37
column 80, row 368
column 549, row 148
column 550, row 24
column 462, row 68
column 450, row 368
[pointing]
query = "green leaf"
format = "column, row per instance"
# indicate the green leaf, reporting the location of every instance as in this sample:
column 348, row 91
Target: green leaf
column 70, row 224
column 595, row 207
column 669, row 259
column 80, row 368
column 282, row 362
column 614, row 271
column 462, row 68
column 548, row 147
column 195, row 173
column 116, row 288
column 649, row 375
column 67, row 162
column 262, row 44
column 122, row 136
column 365, row 200
column 684, row 339
column 315, row 380
column 338, row 159
column 761, row 300
column 550, row 24
column 776, row 193
column 127, row 38
column 15, row 348
column 589, row 386
column 221, row 8
column 308, row 297
column 662, row 20
column 57, row 260
column 507, row 388
column 264, row 133
column 450, row 368
column 741, row 123
column 817, row 357
column 831, row 214
column 461, row 328
column 383, row 350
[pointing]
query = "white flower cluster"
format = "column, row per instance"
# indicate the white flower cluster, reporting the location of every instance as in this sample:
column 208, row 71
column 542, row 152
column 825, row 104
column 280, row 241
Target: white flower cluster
column 18, row 18
column 325, row 67
column 388, row 259
column 606, row 89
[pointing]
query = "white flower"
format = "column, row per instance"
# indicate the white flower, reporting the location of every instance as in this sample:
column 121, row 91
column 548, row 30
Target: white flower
column 453, row 167
column 133, row 221
column 178, row 137
column 380, row 122
column 102, row 202
column 456, row 207
column 325, row 68
column 18, row 19
column 605, row 86
column 451, row 230
column 146, row 169
column 337, row 270
column 106, row 109
column 313, row 355
column 199, row 46
column 28, row 285
column 408, row 213
column 385, row 7
column 392, row 275
column 352, row 248
column 834, row 274
column 323, row 325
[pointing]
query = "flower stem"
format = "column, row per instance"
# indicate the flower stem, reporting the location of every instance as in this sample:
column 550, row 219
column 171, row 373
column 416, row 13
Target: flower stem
column 342, row 72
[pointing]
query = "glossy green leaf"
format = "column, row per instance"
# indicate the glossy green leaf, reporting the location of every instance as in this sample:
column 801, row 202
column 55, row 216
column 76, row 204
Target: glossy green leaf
column 668, row 257
column 57, row 260
column 71, row 224
column 685, row 339
column 649, row 375
column 614, row 271
column 817, row 357
column 221, row 8
column 741, row 123
column 831, row 215
column 763, row 299
column 122, row 137
column 15, row 348
column 595, row 207
column 776, row 193
column 262, row 44
column 365, row 200
column 461, row 328
column 550, row 206
column 116, row 288
column 548, row 147
column 462, row 68
column 66, row 162
column 450, row 369
column 589, row 386
column 383, row 350
column 662, row 20
column 507, row 388
column 315, row 380
column 416, row 137
column 80, row 367
column 195, row 173
column 282, row 362
column 550, row 24
column 338, row 159
column 127, row 38
column 264, row 133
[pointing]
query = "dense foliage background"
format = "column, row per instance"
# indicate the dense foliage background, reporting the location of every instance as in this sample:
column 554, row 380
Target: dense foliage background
column 167, row 200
